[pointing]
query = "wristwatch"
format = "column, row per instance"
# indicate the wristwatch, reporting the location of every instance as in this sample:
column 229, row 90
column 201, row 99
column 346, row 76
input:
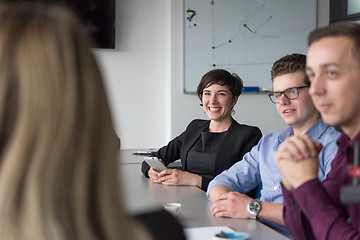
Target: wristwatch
column 254, row 208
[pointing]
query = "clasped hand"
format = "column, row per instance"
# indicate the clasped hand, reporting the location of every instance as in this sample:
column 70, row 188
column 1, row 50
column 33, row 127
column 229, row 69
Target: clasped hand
column 297, row 160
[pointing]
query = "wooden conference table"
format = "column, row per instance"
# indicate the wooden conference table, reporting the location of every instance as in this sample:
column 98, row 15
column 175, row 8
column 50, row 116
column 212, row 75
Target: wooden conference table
column 141, row 195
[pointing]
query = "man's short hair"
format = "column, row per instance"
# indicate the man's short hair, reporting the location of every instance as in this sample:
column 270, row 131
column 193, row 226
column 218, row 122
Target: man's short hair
column 339, row 29
column 289, row 64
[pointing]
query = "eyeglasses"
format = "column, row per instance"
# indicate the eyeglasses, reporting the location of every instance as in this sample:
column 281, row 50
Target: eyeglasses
column 290, row 93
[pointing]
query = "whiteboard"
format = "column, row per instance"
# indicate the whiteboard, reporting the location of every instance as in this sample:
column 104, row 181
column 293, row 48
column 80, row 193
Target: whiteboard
column 243, row 36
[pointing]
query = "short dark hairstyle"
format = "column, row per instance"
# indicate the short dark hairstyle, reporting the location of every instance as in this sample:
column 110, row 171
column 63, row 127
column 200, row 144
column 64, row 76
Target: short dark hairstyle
column 223, row 78
column 339, row 29
column 289, row 64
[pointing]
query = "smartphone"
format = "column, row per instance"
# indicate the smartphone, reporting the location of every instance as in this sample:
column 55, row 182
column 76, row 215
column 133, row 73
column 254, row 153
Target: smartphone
column 155, row 163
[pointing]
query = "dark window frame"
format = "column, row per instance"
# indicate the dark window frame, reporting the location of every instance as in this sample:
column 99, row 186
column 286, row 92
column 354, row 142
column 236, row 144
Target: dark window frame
column 338, row 12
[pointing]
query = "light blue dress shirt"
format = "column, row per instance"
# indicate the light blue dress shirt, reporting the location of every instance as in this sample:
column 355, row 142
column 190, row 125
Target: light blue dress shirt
column 259, row 165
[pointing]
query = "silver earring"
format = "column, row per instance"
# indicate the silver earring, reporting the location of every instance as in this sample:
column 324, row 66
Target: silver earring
column 233, row 112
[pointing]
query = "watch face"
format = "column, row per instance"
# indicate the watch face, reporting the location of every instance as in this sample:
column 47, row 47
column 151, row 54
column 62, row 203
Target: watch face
column 255, row 206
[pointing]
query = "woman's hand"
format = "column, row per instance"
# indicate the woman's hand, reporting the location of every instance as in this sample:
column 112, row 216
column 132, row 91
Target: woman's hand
column 154, row 175
column 177, row 177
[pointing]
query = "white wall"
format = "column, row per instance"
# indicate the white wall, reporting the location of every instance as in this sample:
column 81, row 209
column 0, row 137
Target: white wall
column 144, row 76
column 137, row 73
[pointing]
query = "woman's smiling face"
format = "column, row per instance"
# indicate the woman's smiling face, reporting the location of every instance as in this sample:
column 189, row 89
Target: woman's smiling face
column 218, row 102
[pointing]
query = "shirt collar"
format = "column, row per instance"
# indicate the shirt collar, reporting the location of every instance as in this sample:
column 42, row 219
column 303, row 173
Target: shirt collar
column 285, row 134
column 315, row 131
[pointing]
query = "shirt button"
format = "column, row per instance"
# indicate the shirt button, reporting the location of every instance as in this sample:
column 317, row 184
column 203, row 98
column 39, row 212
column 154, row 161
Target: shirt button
column 275, row 188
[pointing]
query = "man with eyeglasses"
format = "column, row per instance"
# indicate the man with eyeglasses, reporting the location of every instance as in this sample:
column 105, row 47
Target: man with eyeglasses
column 258, row 167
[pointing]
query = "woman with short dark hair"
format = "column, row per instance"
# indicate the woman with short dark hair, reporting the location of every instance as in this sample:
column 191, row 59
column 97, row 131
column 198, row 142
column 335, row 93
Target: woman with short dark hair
column 207, row 147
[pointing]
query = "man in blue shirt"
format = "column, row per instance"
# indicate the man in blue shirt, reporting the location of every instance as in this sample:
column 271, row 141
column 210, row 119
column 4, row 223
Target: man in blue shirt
column 294, row 104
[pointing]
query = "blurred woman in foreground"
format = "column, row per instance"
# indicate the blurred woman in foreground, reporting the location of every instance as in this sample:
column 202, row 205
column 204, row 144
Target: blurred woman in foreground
column 58, row 174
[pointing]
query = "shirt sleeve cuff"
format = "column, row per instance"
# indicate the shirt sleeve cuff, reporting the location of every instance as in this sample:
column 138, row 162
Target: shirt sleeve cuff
column 287, row 195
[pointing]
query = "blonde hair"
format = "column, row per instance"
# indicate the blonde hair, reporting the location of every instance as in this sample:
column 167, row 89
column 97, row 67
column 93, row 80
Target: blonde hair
column 58, row 172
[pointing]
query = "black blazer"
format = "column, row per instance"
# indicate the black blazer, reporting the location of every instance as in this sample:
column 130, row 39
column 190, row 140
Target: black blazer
column 239, row 140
